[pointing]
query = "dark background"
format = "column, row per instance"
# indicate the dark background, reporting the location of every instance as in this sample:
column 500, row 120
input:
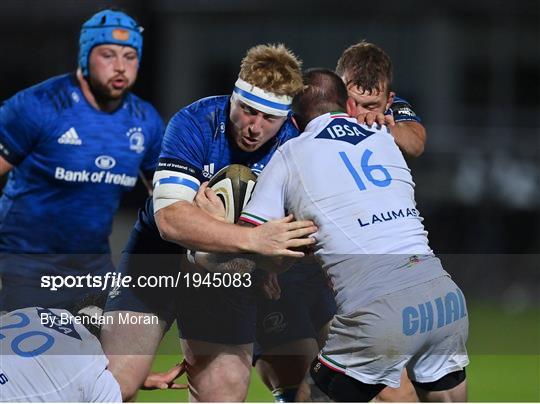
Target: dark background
column 471, row 69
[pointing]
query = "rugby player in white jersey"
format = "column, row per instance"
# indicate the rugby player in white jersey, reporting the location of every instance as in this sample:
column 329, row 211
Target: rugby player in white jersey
column 45, row 357
column 50, row 355
column 397, row 307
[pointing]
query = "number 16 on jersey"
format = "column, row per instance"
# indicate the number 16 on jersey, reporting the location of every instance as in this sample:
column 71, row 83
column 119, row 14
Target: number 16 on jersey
column 368, row 171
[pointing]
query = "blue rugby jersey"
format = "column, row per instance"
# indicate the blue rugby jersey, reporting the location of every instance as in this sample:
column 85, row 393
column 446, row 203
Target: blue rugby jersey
column 71, row 165
column 197, row 139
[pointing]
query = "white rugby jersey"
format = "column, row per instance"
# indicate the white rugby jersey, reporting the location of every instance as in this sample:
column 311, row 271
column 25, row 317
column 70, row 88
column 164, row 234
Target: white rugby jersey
column 354, row 183
column 44, row 358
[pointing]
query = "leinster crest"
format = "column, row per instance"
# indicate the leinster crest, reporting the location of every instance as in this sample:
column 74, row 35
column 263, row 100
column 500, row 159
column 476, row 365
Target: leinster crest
column 136, row 139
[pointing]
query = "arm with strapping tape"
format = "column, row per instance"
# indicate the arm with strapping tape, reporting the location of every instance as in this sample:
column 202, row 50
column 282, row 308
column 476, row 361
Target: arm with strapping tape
column 408, row 131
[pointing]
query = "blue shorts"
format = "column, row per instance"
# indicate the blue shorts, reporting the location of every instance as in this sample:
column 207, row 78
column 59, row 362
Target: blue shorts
column 307, row 303
column 218, row 315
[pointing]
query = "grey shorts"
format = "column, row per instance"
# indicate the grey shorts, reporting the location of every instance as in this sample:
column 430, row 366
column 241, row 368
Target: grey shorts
column 423, row 328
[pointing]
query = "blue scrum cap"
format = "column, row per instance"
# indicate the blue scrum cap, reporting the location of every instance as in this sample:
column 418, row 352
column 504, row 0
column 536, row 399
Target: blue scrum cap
column 108, row 26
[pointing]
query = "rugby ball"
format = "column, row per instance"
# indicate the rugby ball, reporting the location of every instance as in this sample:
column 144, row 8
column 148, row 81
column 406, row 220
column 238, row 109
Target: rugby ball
column 233, row 184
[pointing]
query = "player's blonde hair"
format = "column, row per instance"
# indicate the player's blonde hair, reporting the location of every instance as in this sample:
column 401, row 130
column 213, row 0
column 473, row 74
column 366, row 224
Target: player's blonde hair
column 273, row 68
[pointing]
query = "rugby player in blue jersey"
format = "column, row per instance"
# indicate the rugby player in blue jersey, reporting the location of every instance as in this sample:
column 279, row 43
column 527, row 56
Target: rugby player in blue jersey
column 217, row 324
column 72, row 145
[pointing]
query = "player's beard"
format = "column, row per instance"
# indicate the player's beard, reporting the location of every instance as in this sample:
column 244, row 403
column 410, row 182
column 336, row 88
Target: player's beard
column 105, row 93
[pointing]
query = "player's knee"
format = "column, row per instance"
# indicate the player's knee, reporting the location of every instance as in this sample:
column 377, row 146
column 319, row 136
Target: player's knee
column 220, row 385
column 239, row 376
column 236, row 385
column 217, row 380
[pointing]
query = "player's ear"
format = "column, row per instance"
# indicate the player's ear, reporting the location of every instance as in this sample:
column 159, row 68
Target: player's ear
column 294, row 122
column 351, row 107
column 389, row 100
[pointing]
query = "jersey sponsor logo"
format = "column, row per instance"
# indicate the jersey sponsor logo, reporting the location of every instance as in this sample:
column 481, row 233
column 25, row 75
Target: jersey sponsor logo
column 402, row 111
column 445, row 310
column 70, row 137
column 3, row 379
column 405, row 110
column 345, row 131
column 94, row 177
column 388, row 216
column 105, row 162
column 176, row 165
column 136, row 139
column 208, row 170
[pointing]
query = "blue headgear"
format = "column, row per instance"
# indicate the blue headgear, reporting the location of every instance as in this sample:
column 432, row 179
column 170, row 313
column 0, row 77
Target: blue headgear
column 108, row 26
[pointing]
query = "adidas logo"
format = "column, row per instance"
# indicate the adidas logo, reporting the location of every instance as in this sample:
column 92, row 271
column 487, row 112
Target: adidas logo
column 70, row 137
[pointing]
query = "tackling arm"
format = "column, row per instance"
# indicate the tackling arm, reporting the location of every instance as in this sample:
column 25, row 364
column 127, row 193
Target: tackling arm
column 408, row 131
column 410, row 137
column 185, row 224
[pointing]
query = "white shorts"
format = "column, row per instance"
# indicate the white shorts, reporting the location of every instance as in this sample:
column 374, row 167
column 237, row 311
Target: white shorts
column 423, row 328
